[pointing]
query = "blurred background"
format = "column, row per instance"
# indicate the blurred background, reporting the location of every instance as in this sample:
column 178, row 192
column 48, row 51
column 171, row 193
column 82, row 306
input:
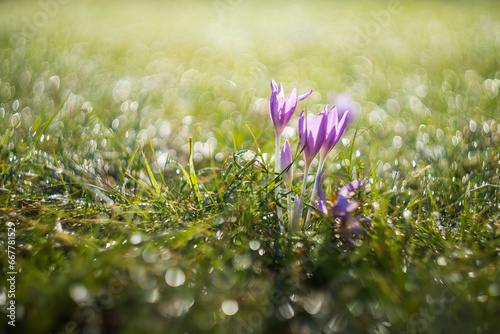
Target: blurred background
column 418, row 72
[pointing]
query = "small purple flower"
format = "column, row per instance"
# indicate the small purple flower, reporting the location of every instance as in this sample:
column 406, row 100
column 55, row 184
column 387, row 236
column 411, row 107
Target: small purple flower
column 286, row 162
column 281, row 108
column 312, row 132
column 334, row 129
column 343, row 207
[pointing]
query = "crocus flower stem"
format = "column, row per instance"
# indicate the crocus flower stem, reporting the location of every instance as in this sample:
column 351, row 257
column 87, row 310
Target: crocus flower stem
column 286, row 162
column 289, row 207
column 304, row 184
column 315, row 189
column 277, row 169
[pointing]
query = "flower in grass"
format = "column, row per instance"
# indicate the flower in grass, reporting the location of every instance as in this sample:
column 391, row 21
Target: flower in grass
column 286, row 162
column 334, row 129
column 312, row 132
column 342, row 208
column 281, row 108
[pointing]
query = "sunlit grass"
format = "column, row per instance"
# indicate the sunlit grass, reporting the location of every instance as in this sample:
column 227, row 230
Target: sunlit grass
column 147, row 203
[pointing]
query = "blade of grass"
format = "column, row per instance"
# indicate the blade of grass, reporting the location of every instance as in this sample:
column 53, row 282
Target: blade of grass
column 156, row 161
column 41, row 132
column 151, row 176
column 34, row 143
column 130, row 163
column 232, row 130
column 60, row 174
column 216, row 180
column 192, row 174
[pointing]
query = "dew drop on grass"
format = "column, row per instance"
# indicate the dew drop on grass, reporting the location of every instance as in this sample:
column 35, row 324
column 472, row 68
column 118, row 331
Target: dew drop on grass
column 397, row 142
column 242, row 262
column 442, row 261
column 254, row 244
column 286, row 311
column 78, row 293
column 136, row 239
column 175, row 277
column 229, row 307
column 472, row 126
column 486, row 127
column 152, row 296
column 356, row 308
column 482, row 298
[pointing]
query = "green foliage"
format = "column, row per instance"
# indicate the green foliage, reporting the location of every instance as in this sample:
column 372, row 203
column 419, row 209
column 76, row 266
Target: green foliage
column 146, row 201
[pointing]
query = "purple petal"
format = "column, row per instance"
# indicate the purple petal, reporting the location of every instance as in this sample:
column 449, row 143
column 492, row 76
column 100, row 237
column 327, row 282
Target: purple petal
column 349, row 188
column 319, row 131
column 302, row 129
column 281, row 93
column 322, row 206
column 286, row 154
column 341, row 126
column 274, row 86
column 343, row 207
column 289, row 107
column 303, row 96
column 315, row 130
column 331, row 132
column 274, row 109
column 321, row 194
column 286, row 161
column 355, row 226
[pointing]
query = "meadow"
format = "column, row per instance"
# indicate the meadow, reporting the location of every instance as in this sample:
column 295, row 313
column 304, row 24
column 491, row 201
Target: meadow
column 137, row 182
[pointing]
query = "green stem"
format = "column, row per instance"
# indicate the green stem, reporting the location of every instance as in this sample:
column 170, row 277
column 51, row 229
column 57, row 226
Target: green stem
column 315, row 189
column 289, row 206
column 277, row 171
column 304, row 185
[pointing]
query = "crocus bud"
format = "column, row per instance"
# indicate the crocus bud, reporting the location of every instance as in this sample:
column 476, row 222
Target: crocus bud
column 297, row 214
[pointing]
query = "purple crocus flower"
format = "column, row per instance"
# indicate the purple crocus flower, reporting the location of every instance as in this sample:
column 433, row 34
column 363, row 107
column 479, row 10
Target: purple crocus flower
column 312, row 132
column 343, row 207
column 286, row 162
column 334, row 129
column 281, row 108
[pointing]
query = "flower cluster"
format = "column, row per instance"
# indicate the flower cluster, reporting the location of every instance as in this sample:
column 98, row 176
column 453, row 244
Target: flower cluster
column 318, row 134
column 342, row 207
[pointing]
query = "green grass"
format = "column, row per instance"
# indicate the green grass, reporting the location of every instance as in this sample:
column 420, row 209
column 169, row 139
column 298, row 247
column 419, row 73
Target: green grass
column 141, row 205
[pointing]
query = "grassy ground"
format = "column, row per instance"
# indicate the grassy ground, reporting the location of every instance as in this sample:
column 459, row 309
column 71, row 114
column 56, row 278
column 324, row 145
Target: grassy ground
column 125, row 224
